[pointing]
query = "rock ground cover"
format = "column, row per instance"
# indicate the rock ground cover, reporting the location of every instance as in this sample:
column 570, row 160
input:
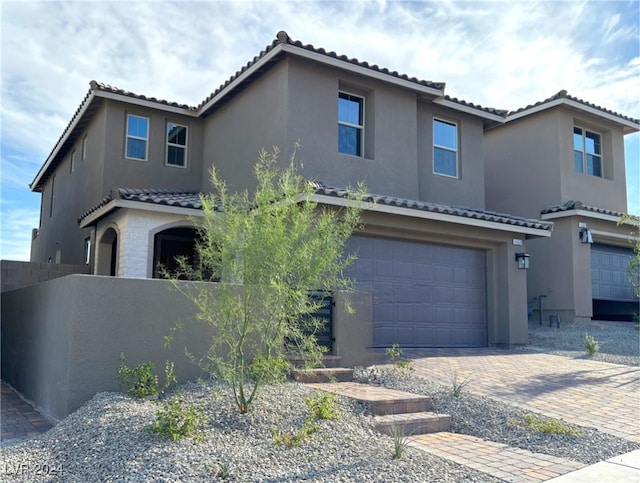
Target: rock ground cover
column 105, row 440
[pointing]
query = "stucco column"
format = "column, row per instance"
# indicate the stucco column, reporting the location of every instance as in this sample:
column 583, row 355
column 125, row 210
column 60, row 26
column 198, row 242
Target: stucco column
column 507, row 296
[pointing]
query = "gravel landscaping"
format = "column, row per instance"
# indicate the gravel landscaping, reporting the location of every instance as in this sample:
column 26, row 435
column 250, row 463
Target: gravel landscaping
column 105, row 440
column 619, row 341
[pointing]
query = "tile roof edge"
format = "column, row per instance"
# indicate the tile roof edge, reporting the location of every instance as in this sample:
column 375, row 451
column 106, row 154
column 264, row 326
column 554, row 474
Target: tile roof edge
column 86, row 100
column 323, row 189
column 283, row 38
column 129, row 193
column 578, row 205
column 100, row 86
column 564, row 95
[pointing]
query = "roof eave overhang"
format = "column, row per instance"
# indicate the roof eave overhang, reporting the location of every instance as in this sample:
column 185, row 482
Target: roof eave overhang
column 320, row 58
column 146, row 103
column 628, row 126
column 470, row 110
column 113, row 205
column 35, row 184
column 429, row 215
column 582, row 213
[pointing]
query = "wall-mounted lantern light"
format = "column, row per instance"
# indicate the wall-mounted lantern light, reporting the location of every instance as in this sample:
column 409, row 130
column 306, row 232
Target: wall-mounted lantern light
column 523, row 260
column 585, row 235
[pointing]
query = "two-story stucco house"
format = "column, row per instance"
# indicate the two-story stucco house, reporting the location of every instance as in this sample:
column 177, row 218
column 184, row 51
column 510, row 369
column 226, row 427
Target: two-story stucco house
column 121, row 184
column 562, row 160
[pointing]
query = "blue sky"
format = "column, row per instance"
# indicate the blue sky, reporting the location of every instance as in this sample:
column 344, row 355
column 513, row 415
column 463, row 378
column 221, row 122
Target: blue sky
column 499, row 54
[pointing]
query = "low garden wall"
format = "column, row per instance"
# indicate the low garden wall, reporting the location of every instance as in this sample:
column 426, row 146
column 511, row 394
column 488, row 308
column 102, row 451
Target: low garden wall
column 61, row 339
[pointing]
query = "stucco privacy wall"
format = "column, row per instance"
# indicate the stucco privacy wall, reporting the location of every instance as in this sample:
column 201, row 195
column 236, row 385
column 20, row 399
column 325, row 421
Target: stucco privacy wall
column 16, row 274
column 61, row 339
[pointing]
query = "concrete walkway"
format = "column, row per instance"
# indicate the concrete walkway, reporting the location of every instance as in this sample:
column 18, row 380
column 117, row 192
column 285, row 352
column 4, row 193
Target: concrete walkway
column 580, row 391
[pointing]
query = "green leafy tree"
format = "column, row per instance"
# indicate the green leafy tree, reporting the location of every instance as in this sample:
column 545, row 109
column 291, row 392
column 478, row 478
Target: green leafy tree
column 267, row 250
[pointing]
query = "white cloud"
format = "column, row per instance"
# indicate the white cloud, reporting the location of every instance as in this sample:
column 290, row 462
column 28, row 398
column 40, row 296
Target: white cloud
column 499, row 54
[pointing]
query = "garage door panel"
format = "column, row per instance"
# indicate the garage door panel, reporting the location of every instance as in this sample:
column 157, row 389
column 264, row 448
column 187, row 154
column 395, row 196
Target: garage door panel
column 444, row 274
column 443, row 294
column 403, row 313
column 423, row 294
column 423, row 272
column 608, row 273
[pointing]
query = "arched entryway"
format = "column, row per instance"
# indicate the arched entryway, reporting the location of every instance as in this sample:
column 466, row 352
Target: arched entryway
column 171, row 243
column 108, row 253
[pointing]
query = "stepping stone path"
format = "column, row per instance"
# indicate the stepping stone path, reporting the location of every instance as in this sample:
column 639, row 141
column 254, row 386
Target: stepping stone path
column 410, row 414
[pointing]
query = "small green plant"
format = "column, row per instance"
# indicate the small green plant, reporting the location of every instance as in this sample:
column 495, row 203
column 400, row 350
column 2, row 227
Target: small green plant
column 394, row 353
column 543, row 424
column 591, row 345
column 140, row 382
column 176, row 420
column 400, row 441
column 296, row 438
column 323, row 406
column 458, row 385
column 224, row 471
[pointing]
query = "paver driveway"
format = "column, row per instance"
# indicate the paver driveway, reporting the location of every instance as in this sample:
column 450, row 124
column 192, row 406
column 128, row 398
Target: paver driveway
column 581, row 391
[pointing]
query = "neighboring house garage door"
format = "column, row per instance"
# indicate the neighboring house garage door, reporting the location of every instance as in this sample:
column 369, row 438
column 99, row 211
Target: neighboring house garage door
column 609, row 273
column 612, row 293
column 424, row 295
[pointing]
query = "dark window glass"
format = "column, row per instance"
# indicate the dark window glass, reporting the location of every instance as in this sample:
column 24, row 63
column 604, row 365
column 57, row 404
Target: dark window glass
column 137, row 136
column 350, row 124
column 445, row 148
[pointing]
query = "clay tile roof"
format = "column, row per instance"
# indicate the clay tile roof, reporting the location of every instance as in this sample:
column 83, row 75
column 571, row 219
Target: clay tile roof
column 169, row 197
column 322, row 189
column 490, row 110
column 563, row 94
column 191, row 199
column 578, row 205
column 99, row 86
column 282, row 37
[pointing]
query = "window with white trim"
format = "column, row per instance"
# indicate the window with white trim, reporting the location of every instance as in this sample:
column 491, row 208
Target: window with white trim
column 445, row 148
column 137, row 137
column 176, row 145
column 587, row 152
column 350, row 124
column 73, row 161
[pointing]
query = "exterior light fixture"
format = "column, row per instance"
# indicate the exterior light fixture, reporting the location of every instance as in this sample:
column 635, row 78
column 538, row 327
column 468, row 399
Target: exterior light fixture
column 523, row 260
column 585, row 235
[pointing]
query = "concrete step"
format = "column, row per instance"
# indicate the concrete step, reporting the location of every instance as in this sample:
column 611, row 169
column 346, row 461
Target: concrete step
column 326, row 375
column 411, row 424
column 327, row 361
column 380, row 400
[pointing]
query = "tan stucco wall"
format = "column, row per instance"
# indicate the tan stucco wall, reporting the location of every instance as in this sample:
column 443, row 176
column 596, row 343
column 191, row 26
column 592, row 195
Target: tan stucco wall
column 530, row 164
column 61, row 339
column 561, row 266
column 296, row 99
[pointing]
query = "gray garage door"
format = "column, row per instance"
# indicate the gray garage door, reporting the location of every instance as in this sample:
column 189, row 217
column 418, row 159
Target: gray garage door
column 424, row 295
column 608, row 273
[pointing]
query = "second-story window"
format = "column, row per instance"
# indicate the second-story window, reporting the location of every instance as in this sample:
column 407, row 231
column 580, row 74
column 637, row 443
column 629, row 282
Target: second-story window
column 137, row 137
column 72, row 166
column 587, row 152
column 350, row 124
column 445, row 148
column 176, row 145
